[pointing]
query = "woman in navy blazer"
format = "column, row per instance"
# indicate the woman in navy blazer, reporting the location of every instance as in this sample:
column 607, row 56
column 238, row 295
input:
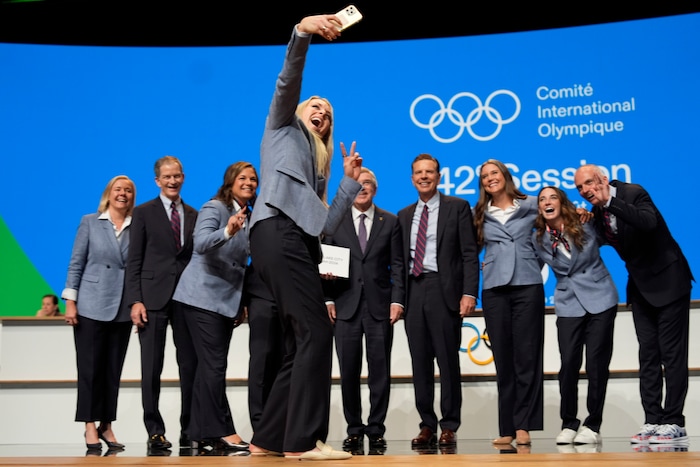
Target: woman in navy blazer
column 95, row 308
column 210, row 291
column 512, row 301
column 585, row 302
column 290, row 214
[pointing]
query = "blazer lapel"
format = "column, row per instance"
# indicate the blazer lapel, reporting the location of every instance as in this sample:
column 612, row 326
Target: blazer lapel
column 377, row 225
column 119, row 248
column 348, row 227
column 444, row 215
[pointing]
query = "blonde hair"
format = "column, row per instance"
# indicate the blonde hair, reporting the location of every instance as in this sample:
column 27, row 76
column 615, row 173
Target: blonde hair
column 104, row 200
column 324, row 145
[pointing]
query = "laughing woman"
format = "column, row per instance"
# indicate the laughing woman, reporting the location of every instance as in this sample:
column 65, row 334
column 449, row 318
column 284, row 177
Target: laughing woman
column 512, row 300
column 94, row 307
column 210, row 290
column 585, row 302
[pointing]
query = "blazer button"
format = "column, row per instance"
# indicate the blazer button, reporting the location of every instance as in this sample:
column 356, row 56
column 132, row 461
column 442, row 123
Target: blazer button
column 108, row 266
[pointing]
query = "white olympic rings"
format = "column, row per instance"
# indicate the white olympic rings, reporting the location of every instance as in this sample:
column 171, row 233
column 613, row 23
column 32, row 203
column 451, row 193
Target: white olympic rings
column 472, row 118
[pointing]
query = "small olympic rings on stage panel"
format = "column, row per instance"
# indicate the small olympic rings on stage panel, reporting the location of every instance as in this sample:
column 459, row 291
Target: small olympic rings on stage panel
column 467, row 324
column 469, row 351
column 474, row 343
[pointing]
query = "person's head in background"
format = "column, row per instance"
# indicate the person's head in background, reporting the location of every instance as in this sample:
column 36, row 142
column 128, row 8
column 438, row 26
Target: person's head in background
column 240, row 184
column 169, row 176
column 49, row 306
column 365, row 198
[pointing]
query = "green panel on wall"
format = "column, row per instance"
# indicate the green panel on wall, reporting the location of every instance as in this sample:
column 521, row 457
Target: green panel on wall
column 22, row 285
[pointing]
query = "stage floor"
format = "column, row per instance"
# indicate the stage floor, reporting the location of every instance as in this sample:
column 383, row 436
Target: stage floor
column 394, row 448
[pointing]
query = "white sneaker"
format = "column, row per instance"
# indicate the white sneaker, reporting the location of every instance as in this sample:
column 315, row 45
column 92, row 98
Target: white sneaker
column 588, row 448
column 587, row 436
column 566, row 449
column 566, row 436
column 645, row 432
column 669, row 434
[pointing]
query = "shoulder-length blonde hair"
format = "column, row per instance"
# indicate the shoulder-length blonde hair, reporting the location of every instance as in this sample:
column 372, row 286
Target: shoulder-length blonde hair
column 104, row 200
column 484, row 197
column 324, row 145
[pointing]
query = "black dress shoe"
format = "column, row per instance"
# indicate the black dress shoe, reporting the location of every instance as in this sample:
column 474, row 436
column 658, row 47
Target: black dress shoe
column 376, row 441
column 153, row 452
column 224, row 444
column 353, row 442
column 110, row 444
column 156, row 442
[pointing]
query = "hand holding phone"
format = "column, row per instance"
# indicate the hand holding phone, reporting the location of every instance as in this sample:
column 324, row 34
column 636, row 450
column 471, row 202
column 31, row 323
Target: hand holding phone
column 348, row 16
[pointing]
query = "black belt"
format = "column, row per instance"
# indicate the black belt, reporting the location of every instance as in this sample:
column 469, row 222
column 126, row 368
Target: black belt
column 422, row 276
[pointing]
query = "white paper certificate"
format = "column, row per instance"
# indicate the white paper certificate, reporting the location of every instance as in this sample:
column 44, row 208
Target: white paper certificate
column 336, row 261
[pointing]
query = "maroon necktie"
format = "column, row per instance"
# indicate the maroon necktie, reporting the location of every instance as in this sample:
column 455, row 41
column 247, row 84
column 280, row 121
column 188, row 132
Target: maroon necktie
column 362, row 232
column 610, row 236
column 175, row 224
column 421, row 239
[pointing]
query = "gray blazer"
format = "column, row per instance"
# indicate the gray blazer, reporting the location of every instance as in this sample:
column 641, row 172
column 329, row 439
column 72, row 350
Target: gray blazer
column 510, row 257
column 213, row 279
column 584, row 284
column 96, row 270
column 290, row 182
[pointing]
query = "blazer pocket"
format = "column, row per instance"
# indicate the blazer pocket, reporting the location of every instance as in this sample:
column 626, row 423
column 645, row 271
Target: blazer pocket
column 146, row 274
column 601, row 275
column 293, row 174
column 91, row 278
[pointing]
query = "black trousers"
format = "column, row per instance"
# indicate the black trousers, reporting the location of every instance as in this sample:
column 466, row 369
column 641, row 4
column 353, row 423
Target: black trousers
column 297, row 411
column 152, row 339
column 211, row 335
column 514, row 318
column 266, row 349
column 100, row 348
column 434, row 333
column 378, row 335
column 595, row 332
column 662, row 333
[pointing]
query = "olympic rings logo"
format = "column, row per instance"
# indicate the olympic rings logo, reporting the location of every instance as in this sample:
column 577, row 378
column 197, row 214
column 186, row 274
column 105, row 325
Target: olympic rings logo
column 473, row 116
column 474, row 343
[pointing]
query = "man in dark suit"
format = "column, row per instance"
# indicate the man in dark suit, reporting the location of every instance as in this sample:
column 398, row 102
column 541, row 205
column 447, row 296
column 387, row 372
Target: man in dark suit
column 442, row 269
column 658, row 290
column 368, row 303
column 161, row 247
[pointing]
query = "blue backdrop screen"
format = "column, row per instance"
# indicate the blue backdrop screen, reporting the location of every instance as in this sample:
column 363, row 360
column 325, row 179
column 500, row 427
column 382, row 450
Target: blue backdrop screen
column 621, row 95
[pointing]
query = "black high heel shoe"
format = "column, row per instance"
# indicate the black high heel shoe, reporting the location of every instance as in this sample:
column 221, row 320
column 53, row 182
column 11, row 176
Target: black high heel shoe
column 92, row 446
column 223, row 444
column 110, row 444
